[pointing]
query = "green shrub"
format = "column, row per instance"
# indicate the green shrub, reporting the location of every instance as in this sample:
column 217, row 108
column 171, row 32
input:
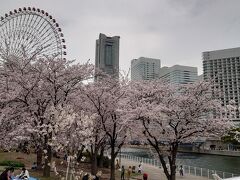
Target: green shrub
column 11, row 163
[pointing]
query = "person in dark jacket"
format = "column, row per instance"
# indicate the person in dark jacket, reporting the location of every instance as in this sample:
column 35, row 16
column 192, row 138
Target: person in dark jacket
column 6, row 175
column 122, row 173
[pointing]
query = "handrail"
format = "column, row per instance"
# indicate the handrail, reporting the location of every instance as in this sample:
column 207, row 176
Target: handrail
column 196, row 171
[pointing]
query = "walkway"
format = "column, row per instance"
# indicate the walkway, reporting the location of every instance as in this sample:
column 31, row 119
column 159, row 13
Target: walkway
column 155, row 173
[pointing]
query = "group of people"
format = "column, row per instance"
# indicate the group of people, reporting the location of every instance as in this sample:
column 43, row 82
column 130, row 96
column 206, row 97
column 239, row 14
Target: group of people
column 128, row 175
column 130, row 170
column 140, row 170
column 8, row 174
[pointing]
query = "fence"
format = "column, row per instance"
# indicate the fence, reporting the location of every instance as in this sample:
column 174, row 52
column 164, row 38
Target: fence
column 196, row 171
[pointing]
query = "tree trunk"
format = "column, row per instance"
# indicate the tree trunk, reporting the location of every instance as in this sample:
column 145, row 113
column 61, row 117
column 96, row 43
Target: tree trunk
column 94, row 164
column 173, row 161
column 112, row 177
column 101, row 158
column 80, row 154
column 47, row 164
column 39, row 158
column 165, row 169
column 173, row 171
column 172, row 176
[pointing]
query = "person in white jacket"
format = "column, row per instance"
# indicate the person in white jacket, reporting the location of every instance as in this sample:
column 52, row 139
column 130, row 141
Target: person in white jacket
column 24, row 174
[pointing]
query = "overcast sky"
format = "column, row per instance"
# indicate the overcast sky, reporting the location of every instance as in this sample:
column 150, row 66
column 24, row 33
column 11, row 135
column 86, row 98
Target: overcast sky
column 175, row 31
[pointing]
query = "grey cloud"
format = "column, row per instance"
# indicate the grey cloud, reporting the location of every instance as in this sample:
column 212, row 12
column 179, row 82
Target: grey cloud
column 176, row 31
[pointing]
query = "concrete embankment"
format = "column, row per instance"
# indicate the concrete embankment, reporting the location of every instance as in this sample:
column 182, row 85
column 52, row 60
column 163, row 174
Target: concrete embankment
column 201, row 151
column 212, row 152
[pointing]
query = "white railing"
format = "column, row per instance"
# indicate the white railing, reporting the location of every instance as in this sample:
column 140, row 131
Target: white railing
column 196, row 171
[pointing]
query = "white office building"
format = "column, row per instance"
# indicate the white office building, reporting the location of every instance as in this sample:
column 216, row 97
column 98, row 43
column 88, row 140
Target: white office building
column 223, row 68
column 145, row 68
column 200, row 77
column 178, row 74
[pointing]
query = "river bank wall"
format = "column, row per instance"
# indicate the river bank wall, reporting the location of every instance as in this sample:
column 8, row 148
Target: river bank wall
column 196, row 151
column 212, row 152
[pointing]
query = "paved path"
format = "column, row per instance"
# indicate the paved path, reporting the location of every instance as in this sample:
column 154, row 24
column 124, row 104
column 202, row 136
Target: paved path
column 155, row 173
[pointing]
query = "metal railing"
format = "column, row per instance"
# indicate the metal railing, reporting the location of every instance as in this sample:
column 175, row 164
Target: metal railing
column 195, row 171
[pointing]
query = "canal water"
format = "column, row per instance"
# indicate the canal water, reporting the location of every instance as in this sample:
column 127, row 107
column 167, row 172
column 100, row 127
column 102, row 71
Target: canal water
column 212, row 162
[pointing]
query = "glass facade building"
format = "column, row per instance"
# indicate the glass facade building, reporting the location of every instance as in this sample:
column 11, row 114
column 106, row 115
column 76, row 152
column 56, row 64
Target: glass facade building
column 145, row 68
column 178, row 74
column 107, row 54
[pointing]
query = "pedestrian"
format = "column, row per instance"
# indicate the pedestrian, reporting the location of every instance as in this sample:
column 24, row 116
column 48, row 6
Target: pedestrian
column 85, row 177
column 24, row 174
column 34, row 166
column 65, row 156
column 122, row 173
column 145, row 176
column 140, row 168
column 11, row 174
column 117, row 164
column 129, row 172
column 6, row 175
column 181, row 171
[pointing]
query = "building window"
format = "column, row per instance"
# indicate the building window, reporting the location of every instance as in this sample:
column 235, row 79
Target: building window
column 108, row 55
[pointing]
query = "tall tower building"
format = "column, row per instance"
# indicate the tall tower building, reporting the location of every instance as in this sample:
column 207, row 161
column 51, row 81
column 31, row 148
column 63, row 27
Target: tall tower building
column 223, row 68
column 107, row 54
column 145, row 68
column 178, row 74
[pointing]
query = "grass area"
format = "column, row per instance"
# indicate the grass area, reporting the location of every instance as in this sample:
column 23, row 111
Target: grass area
column 24, row 159
column 28, row 159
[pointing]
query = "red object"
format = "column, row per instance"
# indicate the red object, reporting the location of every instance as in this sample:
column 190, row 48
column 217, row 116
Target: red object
column 145, row 176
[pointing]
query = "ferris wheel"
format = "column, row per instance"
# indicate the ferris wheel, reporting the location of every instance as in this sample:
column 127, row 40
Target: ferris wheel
column 32, row 32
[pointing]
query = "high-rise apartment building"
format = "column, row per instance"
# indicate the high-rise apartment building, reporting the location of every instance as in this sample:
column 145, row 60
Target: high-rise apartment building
column 222, row 67
column 145, row 68
column 178, row 74
column 107, row 54
column 200, row 77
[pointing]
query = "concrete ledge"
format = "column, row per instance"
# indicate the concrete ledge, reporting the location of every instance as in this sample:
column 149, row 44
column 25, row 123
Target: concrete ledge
column 213, row 152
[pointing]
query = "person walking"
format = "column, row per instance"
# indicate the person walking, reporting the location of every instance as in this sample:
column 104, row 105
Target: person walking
column 129, row 172
column 122, row 173
column 145, row 176
column 140, row 168
column 181, row 170
column 117, row 164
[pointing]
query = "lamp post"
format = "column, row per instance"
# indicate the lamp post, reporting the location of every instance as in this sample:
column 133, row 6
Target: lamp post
column 68, row 164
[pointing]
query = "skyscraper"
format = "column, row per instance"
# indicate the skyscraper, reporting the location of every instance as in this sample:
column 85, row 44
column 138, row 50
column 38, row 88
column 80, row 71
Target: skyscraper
column 107, row 54
column 145, row 68
column 223, row 68
column 178, row 74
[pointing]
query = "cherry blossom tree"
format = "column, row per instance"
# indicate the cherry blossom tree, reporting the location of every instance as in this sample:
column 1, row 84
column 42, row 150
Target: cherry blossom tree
column 105, row 98
column 41, row 88
column 76, row 131
column 168, row 115
column 15, row 74
column 59, row 79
